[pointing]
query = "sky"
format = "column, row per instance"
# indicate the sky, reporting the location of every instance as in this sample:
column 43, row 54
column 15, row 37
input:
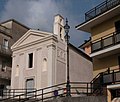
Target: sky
column 39, row 14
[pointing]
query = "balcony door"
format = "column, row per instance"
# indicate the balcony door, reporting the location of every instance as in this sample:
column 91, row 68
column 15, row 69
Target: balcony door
column 119, row 61
column 117, row 26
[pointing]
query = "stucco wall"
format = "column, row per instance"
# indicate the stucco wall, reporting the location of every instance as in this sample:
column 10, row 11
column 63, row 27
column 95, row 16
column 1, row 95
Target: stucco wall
column 80, row 67
column 102, row 64
column 20, row 57
column 60, row 75
column 104, row 28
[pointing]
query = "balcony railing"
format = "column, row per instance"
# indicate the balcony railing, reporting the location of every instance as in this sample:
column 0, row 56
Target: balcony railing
column 106, row 41
column 101, row 8
column 5, row 30
column 106, row 78
column 5, row 50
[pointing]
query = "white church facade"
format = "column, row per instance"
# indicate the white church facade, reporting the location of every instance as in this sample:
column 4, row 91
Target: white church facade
column 39, row 59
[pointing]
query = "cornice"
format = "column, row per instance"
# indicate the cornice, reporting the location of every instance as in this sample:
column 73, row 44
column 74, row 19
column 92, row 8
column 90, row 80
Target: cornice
column 51, row 37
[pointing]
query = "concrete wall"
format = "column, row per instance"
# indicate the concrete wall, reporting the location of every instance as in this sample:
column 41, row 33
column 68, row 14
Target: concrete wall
column 81, row 99
column 79, row 67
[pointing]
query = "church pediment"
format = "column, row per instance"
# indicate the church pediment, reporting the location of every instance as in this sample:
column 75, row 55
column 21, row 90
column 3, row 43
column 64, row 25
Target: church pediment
column 31, row 36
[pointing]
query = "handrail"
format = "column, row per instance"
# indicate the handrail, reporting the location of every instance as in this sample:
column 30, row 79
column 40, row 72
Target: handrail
column 107, row 71
column 100, row 43
column 105, row 36
column 95, row 78
column 101, row 8
column 77, row 88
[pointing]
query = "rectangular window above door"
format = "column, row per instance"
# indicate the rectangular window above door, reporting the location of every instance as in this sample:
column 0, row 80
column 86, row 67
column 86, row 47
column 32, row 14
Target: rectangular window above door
column 30, row 60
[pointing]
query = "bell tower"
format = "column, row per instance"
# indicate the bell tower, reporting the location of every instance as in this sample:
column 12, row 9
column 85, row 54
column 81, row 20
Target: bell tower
column 59, row 27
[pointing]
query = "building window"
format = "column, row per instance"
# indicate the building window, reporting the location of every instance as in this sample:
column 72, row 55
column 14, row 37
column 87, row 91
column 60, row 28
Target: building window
column 30, row 62
column 44, row 64
column 5, row 43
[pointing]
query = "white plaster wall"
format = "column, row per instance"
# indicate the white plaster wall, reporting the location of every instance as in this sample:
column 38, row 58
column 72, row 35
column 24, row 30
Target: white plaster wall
column 40, row 51
column 61, row 62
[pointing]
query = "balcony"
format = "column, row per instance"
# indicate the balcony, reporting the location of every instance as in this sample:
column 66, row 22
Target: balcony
column 5, row 73
column 101, row 8
column 109, row 77
column 5, row 50
column 106, row 44
column 104, row 11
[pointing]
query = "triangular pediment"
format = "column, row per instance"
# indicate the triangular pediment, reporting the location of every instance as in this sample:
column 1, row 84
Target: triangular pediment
column 31, row 36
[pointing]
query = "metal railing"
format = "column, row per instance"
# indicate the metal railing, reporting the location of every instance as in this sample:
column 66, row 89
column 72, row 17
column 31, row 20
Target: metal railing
column 77, row 89
column 7, row 93
column 96, row 87
column 101, row 8
column 105, row 41
column 5, row 50
column 106, row 78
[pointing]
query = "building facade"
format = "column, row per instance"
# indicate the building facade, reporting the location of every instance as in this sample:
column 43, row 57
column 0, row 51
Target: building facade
column 8, row 36
column 103, row 22
column 39, row 59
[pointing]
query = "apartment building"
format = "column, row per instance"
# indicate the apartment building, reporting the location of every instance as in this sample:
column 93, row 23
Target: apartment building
column 103, row 22
column 10, row 32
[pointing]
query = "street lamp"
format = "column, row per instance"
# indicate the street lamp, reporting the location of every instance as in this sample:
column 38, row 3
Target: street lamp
column 67, row 37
